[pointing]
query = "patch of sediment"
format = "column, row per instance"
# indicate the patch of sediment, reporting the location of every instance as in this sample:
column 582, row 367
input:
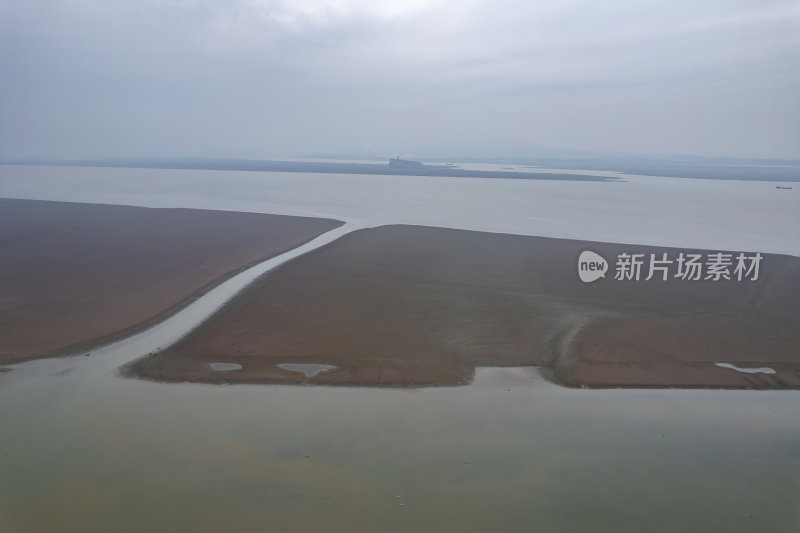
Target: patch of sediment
column 407, row 306
column 74, row 276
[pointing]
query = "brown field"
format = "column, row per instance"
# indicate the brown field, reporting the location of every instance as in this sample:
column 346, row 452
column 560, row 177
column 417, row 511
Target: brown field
column 75, row 275
column 415, row 306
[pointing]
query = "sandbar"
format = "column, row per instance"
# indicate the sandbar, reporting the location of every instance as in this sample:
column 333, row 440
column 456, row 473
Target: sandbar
column 75, row 275
column 411, row 306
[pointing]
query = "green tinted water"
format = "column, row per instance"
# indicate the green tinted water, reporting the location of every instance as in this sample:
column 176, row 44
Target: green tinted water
column 82, row 450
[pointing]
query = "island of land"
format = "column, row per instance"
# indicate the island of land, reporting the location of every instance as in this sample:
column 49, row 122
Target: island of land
column 400, row 167
column 585, row 169
column 410, row 306
column 74, row 275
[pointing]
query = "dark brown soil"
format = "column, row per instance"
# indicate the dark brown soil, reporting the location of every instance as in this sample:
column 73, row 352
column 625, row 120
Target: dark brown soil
column 415, row 306
column 73, row 275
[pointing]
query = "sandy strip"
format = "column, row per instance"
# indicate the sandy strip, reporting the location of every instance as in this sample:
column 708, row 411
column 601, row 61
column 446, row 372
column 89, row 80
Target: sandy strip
column 416, row 306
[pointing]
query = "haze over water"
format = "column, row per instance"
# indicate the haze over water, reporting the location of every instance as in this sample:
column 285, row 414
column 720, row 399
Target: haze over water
column 510, row 452
column 84, row 450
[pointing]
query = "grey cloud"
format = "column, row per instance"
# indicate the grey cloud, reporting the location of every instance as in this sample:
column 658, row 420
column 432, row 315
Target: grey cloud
column 94, row 79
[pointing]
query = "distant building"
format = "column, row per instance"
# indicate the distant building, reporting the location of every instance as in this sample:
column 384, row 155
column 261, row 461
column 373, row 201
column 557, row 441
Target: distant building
column 404, row 163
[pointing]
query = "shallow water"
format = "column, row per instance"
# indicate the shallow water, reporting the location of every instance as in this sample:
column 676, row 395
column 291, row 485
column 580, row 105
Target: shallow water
column 88, row 451
column 685, row 213
column 308, row 370
column 225, row 367
column 84, row 450
column 764, row 370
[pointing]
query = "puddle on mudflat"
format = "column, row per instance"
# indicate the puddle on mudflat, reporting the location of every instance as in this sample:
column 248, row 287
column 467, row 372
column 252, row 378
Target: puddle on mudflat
column 225, row 366
column 308, row 370
column 765, row 370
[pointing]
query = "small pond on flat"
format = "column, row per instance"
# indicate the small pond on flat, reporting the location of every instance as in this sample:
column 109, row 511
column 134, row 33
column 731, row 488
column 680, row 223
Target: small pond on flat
column 225, row 367
column 307, row 369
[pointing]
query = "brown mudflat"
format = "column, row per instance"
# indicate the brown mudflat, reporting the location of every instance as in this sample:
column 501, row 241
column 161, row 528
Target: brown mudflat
column 74, row 275
column 416, row 306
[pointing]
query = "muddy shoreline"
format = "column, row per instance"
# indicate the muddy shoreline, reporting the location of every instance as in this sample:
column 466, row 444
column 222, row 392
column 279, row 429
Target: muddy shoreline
column 410, row 306
column 76, row 276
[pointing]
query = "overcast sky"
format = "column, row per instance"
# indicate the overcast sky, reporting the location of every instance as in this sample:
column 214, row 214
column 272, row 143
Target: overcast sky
column 260, row 78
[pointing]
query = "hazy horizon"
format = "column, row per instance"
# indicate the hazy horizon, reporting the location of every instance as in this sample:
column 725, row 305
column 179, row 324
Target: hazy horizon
column 97, row 79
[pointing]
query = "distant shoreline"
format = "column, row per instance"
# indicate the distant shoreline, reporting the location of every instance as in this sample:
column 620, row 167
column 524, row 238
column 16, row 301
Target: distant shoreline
column 313, row 167
column 585, row 167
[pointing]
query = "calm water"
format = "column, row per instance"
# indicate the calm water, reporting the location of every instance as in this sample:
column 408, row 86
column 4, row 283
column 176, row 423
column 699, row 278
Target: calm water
column 84, row 450
column 684, row 213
